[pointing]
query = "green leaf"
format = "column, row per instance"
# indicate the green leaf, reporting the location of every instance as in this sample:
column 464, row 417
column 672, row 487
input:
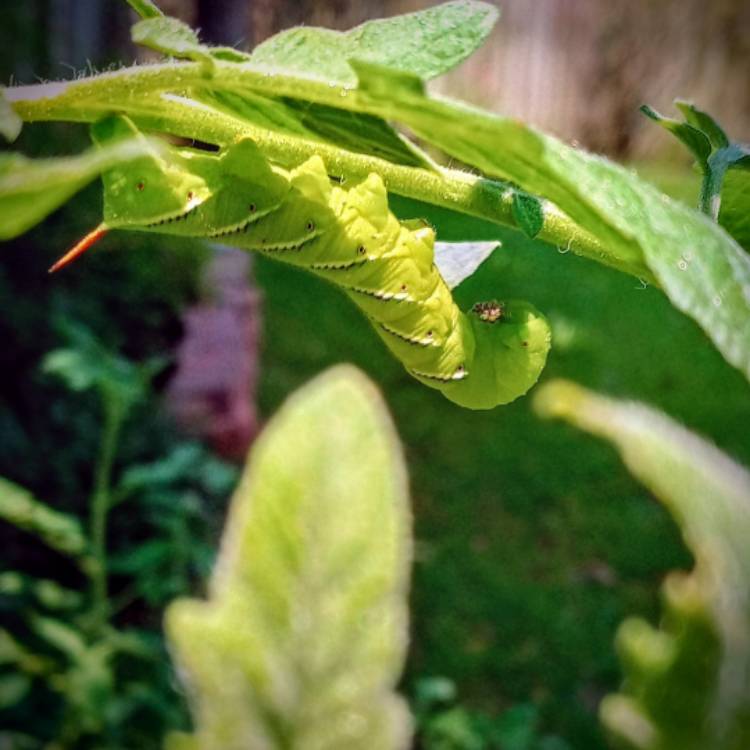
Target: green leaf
column 353, row 131
column 174, row 38
column 88, row 364
column 170, row 36
column 46, row 592
column 457, row 261
column 527, row 211
column 58, row 530
column 10, row 123
column 736, row 156
column 30, row 189
column 427, row 43
column 303, row 637
column 734, row 214
column 358, row 132
column 687, row 683
column 696, row 140
column 145, row 8
column 716, row 156
column 13, row 689
column 703, row 122
column 700, row 268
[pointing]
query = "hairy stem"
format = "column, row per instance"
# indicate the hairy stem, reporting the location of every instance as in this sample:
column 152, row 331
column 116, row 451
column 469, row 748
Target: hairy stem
column 144, row 94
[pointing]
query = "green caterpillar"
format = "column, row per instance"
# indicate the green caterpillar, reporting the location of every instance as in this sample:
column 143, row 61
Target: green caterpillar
column 345, row 235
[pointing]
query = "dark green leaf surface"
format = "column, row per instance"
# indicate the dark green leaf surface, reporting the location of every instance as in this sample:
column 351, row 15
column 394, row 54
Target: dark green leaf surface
column 354, row 131
column 703, row 122
column 734, row 214
column 527, row 211
column 692, row 137
column 427, row 43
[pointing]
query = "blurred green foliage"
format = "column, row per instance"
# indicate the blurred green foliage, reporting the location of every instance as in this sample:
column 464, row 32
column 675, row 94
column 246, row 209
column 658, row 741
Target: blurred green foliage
column 304, row 633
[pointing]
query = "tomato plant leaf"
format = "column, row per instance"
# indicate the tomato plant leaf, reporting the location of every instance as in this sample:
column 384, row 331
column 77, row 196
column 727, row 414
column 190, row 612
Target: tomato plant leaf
column 704, row 122
column 303, row 636
column 696, row 140
column 427, row 43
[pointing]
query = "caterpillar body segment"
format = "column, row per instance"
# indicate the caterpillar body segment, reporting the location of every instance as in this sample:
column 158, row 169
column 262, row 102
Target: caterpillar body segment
column 346, row 235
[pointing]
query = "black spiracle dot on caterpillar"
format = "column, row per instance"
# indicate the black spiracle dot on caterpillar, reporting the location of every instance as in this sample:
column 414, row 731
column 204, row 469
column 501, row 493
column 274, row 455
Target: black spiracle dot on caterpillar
column 140, row 185
column 310, row 226
column 190, row 195
column 361, row 250
column 252, row 208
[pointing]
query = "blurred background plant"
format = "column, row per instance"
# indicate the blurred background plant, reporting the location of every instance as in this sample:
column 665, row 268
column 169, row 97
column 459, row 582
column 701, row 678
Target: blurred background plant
column 88, row 655
column 532, row 542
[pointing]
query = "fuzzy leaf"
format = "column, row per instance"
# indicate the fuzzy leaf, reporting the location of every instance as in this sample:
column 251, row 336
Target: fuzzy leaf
column 170, row 36
column 700, row 268
column 687, row 683
column 32, row 189
column 302, row 639
column 174, row 38
column 427, row 43
column 58, row 530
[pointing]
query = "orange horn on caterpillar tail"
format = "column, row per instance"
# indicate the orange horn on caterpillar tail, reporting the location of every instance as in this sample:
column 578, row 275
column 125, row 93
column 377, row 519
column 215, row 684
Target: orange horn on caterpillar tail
column 80, row 248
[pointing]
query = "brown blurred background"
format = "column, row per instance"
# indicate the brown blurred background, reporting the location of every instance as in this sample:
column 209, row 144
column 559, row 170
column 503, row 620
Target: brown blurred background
column 576, row 68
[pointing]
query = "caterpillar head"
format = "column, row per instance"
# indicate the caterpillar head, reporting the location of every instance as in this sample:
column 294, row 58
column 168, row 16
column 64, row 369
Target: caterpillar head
column 504, row 356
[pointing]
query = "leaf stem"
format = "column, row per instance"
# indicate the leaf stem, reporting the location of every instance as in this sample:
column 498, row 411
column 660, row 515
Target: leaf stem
column 144, row 93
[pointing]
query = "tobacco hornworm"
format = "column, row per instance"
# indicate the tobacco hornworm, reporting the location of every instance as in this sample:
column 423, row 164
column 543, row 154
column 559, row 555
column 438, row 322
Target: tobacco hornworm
column 345, row 235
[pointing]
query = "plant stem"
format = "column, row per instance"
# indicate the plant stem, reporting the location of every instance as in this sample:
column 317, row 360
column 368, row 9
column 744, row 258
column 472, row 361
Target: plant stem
column 143, row 94
column 99, row 508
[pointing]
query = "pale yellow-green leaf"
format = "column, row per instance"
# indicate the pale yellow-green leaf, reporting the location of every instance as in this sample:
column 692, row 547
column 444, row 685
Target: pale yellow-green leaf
column 303, row 637
column 687, row 683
